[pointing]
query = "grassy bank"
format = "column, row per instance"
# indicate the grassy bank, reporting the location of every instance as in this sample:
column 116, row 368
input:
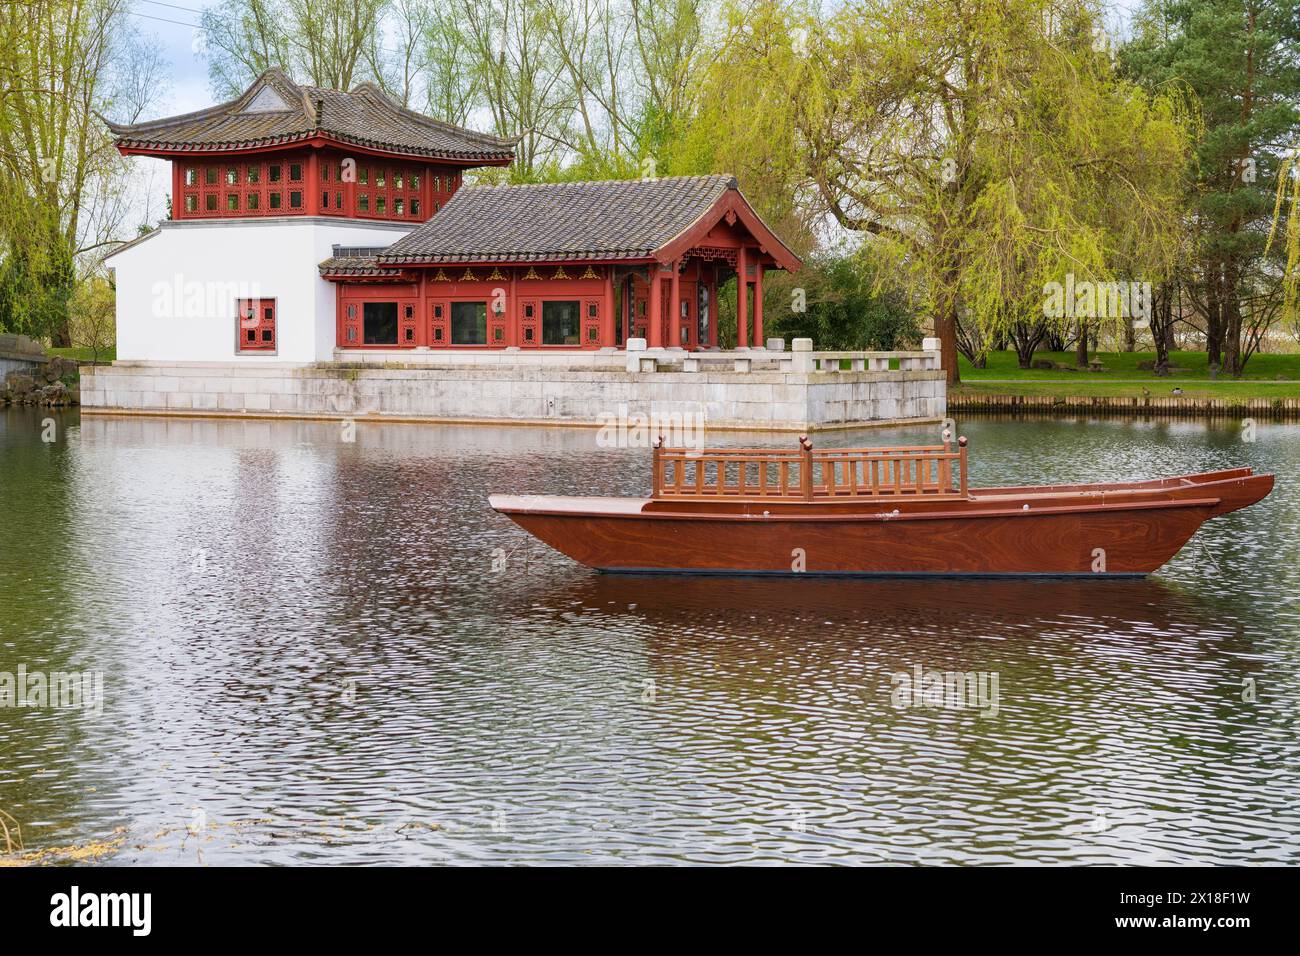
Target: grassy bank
column 1266, row 376
column 85, row 354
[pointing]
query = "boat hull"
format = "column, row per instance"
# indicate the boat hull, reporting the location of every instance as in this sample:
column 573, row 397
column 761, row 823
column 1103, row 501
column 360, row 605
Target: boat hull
column 1088, row 530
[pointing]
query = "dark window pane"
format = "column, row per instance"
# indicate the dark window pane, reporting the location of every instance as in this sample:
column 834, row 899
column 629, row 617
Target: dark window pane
column 273, row 173
column 210, row 201
column 379, row 323
column 210, row 175
column 232, row 202
column 253, row 200
column 295, row 172
column 254, row 174
column 295, row 200
column 275, row 200
column 469, row 323
column 560, row 323
column 415, row 207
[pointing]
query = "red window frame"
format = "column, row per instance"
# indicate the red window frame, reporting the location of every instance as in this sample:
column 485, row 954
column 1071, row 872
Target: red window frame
column 255, row 329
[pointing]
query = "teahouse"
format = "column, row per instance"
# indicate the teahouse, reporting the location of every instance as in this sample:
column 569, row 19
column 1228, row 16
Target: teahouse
column 323, row 258
column 414, row 260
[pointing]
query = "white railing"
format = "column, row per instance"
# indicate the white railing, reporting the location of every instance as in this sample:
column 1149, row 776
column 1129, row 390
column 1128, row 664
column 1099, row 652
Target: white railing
column 801, row 359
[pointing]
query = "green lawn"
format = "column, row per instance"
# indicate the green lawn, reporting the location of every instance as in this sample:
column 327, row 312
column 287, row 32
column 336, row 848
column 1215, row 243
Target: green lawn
column 1266, row 376
column 85, row 354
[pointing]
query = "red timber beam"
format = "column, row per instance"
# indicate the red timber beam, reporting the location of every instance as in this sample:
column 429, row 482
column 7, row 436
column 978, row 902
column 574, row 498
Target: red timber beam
column 730, row 204
column 758, row 304
column 218, row 151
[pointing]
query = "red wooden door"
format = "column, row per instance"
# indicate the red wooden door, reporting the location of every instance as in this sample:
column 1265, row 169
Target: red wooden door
column 689, row 316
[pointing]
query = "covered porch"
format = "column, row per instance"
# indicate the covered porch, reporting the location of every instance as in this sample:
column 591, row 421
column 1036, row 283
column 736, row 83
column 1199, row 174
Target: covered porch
column 564, row 267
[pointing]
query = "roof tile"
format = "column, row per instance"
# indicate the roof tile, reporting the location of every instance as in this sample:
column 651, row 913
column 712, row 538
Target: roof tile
column 618, row 219
column 365, row 117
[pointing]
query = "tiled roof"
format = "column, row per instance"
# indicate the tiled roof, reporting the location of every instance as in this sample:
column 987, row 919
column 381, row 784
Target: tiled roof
column 275, row 110
column 355, row 262
column 618, row 219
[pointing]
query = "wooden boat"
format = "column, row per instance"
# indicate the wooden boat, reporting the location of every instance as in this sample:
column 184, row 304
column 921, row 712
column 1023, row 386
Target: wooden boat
column 875, row 511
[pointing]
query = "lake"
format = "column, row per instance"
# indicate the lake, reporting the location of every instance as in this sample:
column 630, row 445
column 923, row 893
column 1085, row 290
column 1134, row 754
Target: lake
column 319, row 650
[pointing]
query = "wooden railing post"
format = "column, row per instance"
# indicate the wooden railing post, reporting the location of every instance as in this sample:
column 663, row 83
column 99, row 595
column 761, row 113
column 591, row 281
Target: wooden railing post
column 961, row 444
column 945, row 469
column 657, row 468
column 806, row 469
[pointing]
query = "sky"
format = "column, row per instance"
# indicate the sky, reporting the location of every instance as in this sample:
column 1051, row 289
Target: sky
column 175, row 24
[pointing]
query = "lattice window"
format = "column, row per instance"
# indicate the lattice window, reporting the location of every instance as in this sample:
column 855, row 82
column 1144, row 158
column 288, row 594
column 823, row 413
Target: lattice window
column 530, row 320
column 255, row 325
column 439, row 324
column 591, row 323
column 350, row 327
column 406, row 323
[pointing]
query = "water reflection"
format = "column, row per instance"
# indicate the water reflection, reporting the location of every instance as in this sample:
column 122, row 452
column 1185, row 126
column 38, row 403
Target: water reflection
column 317, row 649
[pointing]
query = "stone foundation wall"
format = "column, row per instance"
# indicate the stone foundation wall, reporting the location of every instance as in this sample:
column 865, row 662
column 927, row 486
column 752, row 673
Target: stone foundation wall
column 551, row 393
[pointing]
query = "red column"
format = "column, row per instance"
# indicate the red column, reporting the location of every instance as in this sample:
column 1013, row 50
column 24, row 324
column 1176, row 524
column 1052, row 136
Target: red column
column 512, row 310
column 758, row 305
column 178, row 201
column 312, row 184
column 607, row 310
column 654, row 309
column 675, row 305
column 742, row 291
column 422, row 310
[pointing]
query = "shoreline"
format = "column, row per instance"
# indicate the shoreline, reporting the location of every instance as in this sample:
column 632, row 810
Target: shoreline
column 1172, row 406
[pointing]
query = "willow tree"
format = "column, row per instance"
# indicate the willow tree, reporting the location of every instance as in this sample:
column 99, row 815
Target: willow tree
column 327, row 43
column 1286, row 214
column 976, row 146
column 64, row 63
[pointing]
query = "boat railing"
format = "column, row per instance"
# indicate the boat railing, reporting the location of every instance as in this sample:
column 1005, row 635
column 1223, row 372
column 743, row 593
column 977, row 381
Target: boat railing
column 805, row 473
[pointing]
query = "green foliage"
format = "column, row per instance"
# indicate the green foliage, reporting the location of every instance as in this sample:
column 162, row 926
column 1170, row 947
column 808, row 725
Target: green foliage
column 1236, row 59
column 846, row 307
column 981, row 148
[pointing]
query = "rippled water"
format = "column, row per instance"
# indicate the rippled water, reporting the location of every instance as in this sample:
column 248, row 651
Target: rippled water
column 315, row 650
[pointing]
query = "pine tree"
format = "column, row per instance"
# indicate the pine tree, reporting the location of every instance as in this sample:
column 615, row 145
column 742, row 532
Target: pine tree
column 1238, row 58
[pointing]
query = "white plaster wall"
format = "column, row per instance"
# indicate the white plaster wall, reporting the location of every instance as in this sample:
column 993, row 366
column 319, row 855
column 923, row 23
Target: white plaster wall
column 176, row 289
